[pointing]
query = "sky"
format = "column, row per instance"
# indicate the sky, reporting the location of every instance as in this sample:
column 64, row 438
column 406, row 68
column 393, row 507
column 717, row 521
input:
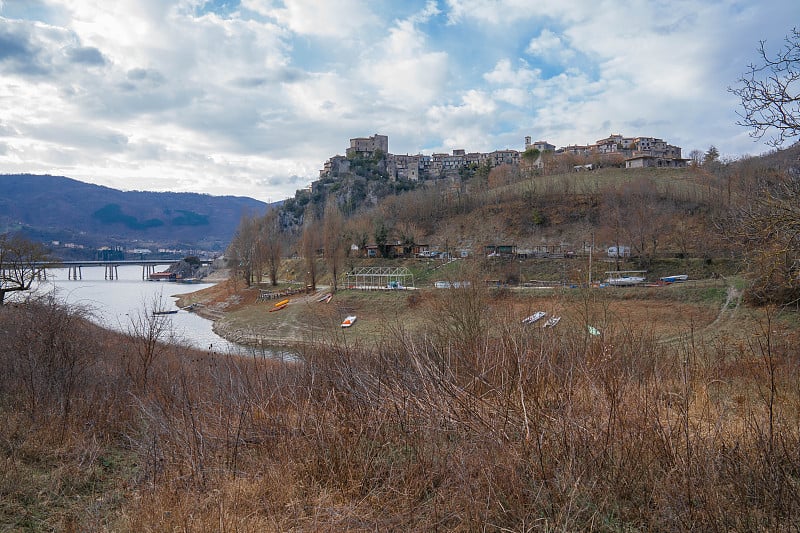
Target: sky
column 250, row 97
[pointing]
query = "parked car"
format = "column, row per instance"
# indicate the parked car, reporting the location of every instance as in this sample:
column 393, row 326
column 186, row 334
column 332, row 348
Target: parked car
column 428, row 254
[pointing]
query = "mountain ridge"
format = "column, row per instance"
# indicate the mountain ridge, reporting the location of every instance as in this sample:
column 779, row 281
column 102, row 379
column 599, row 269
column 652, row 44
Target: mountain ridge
column 59, row 208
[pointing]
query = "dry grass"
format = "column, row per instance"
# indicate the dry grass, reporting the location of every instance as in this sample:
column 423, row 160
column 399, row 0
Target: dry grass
column 474, row 422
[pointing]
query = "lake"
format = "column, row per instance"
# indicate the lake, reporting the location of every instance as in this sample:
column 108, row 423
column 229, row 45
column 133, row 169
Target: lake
column 113, row 304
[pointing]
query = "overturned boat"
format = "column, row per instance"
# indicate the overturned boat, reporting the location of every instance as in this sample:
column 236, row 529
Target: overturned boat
column 674, row 279
column 535, row 317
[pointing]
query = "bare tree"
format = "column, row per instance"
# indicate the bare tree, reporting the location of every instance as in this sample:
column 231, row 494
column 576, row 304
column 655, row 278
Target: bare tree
column 358, row 233
column 333, row 236
column 407, row 233
column 697, row 157
column 613, row 223
column 21, row 262
column 503, row 175
column 767, row 226
column 646, row 222
column 150, row 330
column 243, row 252
column 770, row 92
column 272, row 243
column 310, row 243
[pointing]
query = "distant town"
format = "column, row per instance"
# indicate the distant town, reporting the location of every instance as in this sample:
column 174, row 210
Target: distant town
column 614, row 150
column 70, row 250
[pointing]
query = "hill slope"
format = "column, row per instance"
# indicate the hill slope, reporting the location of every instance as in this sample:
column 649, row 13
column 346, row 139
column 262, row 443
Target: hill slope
column 60, row 208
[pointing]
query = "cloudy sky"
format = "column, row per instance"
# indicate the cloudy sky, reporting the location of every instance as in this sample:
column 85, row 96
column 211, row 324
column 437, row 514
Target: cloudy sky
column 250, row 97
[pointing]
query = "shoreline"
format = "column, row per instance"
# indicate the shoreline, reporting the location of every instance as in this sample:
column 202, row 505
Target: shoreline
column 217, row 304
column 237, row 336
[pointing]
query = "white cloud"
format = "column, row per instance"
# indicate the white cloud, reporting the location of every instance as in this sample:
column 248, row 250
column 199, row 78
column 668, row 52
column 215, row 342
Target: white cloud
column 514, row 86
column 170, row 94
column 405, row 73
column 550, row 47
column 504, row 74
column 463, row 125
column 310, row 17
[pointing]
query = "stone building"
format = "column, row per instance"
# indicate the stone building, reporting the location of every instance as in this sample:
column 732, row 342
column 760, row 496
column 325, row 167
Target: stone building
column 367, row 146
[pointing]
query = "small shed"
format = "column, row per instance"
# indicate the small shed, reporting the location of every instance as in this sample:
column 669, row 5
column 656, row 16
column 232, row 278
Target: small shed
column 502, row 250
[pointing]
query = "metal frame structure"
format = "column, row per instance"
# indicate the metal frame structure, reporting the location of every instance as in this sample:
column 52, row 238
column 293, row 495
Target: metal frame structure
column 379, row 278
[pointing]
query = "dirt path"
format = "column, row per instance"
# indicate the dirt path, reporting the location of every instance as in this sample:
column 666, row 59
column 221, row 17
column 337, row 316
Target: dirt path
column 733, row 298
column 732, row 294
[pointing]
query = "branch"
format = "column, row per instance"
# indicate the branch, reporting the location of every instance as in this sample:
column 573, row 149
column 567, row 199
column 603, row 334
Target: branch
column 769, row 93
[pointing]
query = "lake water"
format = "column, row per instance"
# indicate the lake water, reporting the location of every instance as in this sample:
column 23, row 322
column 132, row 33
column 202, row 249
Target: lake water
column 115, row 303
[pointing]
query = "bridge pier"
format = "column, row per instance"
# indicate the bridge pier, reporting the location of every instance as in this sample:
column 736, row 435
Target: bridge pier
column 74, row 272
column 147, row 270
column 111, row 271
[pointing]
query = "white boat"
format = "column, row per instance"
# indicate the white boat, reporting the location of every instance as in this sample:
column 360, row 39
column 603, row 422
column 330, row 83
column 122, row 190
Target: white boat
column 674, row 279
column 347, row 322
column 625, row 281
column 551, row 322
column 625, row 278
column 535, row 317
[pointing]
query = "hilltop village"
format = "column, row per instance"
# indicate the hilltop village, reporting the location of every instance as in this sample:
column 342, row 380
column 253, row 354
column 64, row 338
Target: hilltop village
column 614, row 150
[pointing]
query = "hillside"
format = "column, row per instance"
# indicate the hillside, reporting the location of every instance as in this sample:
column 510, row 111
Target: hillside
column 655, row 211
column 58, row 208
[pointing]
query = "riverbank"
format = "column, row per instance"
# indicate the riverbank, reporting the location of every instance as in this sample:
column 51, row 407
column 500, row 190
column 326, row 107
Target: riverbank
column 237, row 314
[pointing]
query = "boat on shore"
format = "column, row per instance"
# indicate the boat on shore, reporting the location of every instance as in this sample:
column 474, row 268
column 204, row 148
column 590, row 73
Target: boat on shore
column 674, row 279
column 625, row 278
column 349, row 321
column 535, row 317
column 163, row 276
column 280, row 305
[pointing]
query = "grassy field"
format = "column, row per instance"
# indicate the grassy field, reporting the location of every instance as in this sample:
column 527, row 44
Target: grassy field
column 664, row 311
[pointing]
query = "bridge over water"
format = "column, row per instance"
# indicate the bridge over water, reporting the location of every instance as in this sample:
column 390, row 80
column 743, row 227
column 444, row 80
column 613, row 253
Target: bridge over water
column 110, row 267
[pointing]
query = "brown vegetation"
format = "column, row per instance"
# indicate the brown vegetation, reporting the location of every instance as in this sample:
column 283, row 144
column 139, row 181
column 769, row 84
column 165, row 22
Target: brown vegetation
column 21, row 262
column 475, row 422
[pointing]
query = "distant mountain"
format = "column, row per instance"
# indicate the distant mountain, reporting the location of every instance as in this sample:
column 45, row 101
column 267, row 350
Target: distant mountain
column 55, row 208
